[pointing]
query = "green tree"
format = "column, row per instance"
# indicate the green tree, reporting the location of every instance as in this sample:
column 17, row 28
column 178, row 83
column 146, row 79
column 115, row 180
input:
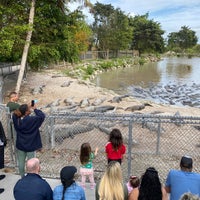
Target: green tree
column 121, row 32
column 184, row 39
column 111, row 28
column 173, row 41
column 46, row 38
column 13, row 30
column 147, row 35
column 197, row 49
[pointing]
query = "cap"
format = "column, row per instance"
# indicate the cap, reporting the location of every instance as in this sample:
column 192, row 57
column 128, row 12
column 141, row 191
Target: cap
column 186, row 161
column 67, row 173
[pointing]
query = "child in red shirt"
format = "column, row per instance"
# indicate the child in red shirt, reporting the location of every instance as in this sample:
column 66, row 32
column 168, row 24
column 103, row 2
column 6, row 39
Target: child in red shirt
column 115, row 149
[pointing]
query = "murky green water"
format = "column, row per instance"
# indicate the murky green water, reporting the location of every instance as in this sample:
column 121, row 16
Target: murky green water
column 167, row 71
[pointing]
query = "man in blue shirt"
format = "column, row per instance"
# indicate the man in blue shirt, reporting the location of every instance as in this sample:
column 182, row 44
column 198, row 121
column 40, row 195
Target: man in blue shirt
column 182, row 181
column 32, row 186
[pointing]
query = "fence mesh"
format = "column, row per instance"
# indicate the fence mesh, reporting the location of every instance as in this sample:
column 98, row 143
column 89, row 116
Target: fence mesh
column 151, row 140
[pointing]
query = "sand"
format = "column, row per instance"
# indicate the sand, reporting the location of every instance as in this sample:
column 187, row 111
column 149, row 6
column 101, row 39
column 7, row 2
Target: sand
column 47, row 87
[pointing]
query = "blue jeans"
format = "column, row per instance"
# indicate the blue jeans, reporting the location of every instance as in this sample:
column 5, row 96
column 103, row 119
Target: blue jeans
column 21, row 156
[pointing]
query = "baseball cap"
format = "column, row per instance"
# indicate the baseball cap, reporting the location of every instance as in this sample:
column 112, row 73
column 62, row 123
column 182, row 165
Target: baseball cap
column 186, row 161
column 67, row 173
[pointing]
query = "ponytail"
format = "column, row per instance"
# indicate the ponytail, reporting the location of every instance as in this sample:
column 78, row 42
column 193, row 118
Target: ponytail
column 66, row 184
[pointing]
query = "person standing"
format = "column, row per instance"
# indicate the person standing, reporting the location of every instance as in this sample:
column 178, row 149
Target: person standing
column 115, row 149
column 69, row 188
column 28, row 138
column 150, row 187
column 86, row 169
column 12, row 104
column 182, row 181
column 3, row 143
column 111, row 185
column 32, row 186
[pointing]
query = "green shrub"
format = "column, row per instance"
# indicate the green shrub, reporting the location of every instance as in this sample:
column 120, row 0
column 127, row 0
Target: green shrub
column 141, row 61
column 89, row 70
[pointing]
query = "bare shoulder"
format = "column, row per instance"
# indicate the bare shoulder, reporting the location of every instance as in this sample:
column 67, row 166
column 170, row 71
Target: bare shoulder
column 134, row 194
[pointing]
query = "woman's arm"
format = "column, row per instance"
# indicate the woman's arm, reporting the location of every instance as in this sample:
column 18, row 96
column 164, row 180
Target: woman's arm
column 164, row 194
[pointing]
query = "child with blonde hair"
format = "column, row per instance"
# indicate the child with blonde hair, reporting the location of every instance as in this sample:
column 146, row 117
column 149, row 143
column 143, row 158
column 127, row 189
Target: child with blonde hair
column 86, row 169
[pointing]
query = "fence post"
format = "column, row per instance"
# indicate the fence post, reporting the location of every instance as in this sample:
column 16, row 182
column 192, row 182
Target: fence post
column 158, row 137
column 130, row 143
column 51, row 130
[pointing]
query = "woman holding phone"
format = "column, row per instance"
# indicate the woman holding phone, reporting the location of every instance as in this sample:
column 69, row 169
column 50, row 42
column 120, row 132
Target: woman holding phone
column 28, row 138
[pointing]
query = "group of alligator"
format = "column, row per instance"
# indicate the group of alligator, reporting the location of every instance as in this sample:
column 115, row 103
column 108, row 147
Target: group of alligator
column 173, row 94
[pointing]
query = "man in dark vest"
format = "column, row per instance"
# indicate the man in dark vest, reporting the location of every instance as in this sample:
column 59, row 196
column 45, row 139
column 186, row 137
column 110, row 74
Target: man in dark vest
column 3, row 143
column 12, row 104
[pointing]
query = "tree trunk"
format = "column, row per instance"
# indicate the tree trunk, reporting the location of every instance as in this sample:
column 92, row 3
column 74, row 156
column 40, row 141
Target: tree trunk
column 26, row 47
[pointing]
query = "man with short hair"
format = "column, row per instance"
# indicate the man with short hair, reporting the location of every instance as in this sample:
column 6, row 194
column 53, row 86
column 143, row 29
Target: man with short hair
column 181, row 181
column 12, row 104
column 32, row 186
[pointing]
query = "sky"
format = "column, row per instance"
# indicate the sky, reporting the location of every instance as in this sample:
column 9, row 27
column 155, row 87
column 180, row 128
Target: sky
column 171, row 14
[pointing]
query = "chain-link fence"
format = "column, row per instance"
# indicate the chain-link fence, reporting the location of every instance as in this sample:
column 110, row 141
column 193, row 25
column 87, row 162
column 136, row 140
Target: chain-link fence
column 151, row 140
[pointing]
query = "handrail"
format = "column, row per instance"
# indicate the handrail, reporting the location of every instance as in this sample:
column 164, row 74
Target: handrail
column 5, row 70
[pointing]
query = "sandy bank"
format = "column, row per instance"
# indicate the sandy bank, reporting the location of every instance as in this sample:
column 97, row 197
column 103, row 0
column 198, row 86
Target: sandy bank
column 51, row 86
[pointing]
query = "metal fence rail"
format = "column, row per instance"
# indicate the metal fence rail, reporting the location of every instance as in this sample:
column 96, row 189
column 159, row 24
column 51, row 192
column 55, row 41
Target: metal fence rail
column 151, row 140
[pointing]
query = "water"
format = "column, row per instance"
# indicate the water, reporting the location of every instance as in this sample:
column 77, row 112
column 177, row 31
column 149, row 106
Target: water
column 170, row 72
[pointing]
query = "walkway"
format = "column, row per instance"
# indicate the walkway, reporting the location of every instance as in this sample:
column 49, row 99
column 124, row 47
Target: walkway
column 9, row 181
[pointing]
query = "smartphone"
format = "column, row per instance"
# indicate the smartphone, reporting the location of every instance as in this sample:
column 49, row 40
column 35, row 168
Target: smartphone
column 32, row 103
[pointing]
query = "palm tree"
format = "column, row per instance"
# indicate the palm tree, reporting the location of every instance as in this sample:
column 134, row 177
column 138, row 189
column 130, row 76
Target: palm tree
column 61, row 5
column 26, row 47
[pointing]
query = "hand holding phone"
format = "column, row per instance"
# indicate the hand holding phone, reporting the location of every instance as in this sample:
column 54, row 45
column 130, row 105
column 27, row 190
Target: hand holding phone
column 32, row 103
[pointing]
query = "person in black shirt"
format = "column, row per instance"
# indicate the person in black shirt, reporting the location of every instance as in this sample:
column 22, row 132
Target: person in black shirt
column 3, row 142
column 28, row 138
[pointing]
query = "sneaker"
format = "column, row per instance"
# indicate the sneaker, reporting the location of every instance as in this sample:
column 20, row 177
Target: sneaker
column 1, row 190
column 2, row 176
